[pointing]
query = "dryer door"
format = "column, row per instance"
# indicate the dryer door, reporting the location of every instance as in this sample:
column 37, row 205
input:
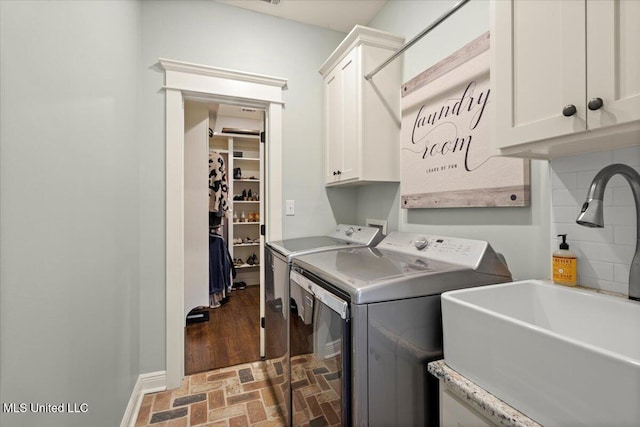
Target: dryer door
column 320, row 342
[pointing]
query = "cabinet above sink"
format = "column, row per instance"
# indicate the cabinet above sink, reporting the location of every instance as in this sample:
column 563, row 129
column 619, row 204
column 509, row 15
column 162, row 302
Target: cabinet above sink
column 565, row 76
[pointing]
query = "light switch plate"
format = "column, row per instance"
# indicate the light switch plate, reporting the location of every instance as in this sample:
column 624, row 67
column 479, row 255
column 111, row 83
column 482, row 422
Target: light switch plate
column 290, row 207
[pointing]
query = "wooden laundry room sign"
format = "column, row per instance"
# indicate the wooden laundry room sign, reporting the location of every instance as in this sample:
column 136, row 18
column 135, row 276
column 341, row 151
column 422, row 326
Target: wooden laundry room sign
column 445, row 148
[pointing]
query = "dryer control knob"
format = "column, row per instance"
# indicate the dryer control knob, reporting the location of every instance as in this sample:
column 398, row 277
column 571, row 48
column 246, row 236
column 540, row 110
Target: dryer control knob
column 420, row 243
column 350, row 231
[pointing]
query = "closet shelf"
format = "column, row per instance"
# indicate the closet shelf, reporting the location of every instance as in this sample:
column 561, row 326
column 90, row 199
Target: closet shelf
column 244, row 168
column 247, row 266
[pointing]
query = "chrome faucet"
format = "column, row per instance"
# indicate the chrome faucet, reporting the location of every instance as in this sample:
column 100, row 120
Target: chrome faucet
column 591, row 214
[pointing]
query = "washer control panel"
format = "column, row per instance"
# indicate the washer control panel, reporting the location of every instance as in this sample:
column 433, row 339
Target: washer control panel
column 357, row 234
column 454, row 250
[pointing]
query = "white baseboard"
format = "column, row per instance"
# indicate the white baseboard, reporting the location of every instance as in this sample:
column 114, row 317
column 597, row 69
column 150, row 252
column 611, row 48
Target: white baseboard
column 147, row 383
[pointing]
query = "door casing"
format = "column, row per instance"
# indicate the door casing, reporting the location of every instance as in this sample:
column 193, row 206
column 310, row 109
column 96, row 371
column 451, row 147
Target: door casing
column 215, row 85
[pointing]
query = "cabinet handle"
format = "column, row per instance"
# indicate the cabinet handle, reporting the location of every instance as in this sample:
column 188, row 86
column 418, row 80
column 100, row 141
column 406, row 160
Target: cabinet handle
column 569, row 110
column 595, row 104
column 335, row 173
column 339, row 172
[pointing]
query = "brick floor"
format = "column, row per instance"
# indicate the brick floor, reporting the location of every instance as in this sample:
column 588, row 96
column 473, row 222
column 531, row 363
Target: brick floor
column 316, row 386
column 228, row 397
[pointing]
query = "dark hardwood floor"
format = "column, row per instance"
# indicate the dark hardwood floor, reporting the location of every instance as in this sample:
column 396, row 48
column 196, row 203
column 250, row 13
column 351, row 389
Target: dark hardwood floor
column 230, row 337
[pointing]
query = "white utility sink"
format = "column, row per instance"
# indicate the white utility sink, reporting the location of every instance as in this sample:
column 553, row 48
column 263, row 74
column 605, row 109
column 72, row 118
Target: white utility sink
column 562, row 356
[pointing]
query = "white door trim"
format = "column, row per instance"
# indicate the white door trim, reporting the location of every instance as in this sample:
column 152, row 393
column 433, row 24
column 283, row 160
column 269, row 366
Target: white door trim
column 185, row 80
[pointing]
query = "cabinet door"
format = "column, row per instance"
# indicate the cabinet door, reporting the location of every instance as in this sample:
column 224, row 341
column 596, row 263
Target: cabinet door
column 333, row 126
column 537, row 68
column 454, row 413
column 351, row 121
column 613, row 61
column 342, row 124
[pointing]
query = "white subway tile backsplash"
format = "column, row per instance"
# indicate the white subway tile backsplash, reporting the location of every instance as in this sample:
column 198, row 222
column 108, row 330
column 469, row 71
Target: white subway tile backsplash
column 566, row 214
column 604, row 255
column 588, row 281
column 621, row 273
column 584, row 179
column 624, row 235
column 619, row 215
column 629, row 156
column 563, row 198
column 564, row 181
column 577, row 233
column 621, row 288
column 597, row 269
column 606, row 252
column 583, row 162
column 623, row 196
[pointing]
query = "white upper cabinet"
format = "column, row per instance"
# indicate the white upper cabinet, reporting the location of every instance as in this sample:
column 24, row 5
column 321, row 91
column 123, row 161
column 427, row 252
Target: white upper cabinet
column 565, row 76
column 362, row 118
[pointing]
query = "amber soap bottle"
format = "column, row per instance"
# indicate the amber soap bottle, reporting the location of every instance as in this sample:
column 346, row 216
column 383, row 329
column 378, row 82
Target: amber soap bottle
column 565, row 264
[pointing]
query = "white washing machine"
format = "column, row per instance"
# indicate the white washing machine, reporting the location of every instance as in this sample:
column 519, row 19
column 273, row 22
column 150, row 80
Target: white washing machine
column 375, row 323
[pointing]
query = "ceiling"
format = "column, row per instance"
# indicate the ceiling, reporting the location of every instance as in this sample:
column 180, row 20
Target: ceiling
column 338, row 15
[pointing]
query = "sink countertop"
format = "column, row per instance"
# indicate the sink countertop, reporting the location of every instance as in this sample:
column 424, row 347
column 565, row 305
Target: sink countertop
column 482, row 401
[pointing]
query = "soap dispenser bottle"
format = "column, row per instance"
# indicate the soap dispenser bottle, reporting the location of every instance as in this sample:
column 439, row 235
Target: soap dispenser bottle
column 565, row 264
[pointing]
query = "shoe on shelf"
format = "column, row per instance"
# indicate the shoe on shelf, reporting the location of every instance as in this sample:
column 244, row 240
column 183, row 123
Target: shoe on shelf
column 244, row 194
column 252, row 216
column 239, row 285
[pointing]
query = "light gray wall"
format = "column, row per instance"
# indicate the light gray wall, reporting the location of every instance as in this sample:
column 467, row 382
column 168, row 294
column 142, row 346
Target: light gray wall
column 69, row 208
column 521, row 234
column 223, row 36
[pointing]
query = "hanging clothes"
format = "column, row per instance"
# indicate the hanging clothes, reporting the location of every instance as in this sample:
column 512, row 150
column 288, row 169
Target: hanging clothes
column 221, row 269
column 218, row 189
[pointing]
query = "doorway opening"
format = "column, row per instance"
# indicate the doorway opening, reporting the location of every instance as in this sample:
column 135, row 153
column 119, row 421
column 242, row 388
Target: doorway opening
column 183, row 82
column 224, row 219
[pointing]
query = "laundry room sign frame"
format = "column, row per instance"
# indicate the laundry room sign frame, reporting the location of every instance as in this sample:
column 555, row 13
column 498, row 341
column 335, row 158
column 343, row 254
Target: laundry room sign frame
column 446, row 156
